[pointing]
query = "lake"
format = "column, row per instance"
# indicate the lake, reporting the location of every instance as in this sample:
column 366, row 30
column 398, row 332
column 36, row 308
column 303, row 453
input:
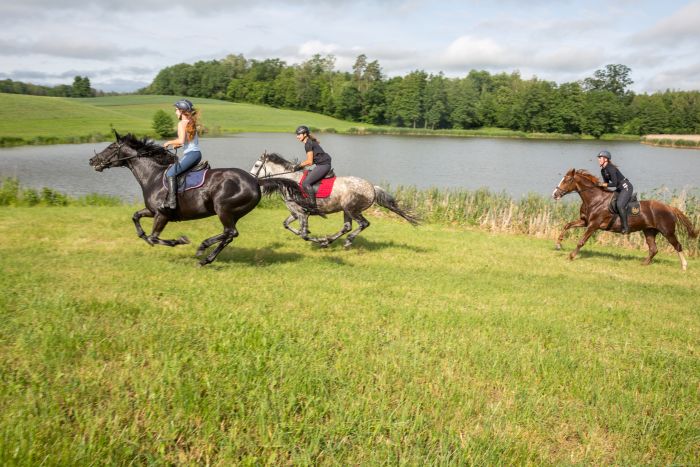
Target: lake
column 517, row 167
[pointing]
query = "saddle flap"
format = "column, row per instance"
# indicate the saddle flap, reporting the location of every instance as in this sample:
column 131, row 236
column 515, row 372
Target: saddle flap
column 633, row 205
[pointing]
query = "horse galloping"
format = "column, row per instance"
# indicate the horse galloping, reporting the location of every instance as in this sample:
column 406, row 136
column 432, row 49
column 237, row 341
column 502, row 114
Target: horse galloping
column 351, row 195
column 654, row 217
column 228, row 193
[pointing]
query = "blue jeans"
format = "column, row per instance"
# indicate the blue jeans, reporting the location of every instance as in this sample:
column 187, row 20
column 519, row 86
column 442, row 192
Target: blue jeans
column 188, row 161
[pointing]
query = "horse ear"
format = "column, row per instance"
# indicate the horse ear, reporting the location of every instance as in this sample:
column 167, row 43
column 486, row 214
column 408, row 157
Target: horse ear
column 116, row 135
column 571, row 172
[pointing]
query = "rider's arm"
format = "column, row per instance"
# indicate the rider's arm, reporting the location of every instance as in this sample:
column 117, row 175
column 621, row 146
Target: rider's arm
column 309, row 159
column 180, row 140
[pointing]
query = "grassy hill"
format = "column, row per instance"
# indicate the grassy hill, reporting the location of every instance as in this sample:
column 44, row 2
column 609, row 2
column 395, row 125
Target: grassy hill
column 429, row 345
column 37, row 119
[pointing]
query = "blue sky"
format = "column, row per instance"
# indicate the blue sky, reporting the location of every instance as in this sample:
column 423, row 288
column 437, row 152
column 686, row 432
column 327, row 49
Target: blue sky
column 122, row 45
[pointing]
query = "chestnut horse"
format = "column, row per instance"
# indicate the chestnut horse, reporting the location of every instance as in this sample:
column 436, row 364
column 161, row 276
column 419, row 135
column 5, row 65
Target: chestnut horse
column 654, row 216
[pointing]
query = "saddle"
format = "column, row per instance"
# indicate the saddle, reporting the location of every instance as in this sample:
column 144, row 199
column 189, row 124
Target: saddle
column 323, row 187
column 190, row 179
column 633, row 207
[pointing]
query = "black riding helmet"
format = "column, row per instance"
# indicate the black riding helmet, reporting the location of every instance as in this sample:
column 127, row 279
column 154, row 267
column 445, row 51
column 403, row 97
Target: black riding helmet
column 184, row 105
column 303, row 130
column 605, row 154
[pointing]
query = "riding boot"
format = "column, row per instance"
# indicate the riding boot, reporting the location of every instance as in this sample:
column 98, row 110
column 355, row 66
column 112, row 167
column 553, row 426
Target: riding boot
column 171, row 200
column 623, row 220
column 311, row 192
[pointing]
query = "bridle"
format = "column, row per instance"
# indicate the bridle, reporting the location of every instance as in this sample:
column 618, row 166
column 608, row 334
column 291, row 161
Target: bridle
column 138, row 154
column 577, row 189
column 263, row 159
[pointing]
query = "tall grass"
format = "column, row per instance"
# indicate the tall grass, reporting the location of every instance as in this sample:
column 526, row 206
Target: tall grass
column 12, row 194
column 534, row 215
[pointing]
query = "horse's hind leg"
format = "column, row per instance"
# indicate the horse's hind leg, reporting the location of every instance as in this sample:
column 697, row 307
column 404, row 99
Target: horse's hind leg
column 673, row 240
column 224, row 239
column 159, row 223
column 362, row 225
column 347, row 227
column 650, row 235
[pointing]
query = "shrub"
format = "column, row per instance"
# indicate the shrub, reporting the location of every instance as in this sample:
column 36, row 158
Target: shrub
column 163, row 124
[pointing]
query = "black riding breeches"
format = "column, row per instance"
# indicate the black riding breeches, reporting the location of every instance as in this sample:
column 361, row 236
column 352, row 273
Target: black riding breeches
column 315, row 175
column 624, row 197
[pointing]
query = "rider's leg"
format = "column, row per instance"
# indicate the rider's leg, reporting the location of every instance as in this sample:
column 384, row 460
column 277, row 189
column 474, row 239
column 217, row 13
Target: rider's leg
column 314, row 176
column 622, row 200
column 188, row 161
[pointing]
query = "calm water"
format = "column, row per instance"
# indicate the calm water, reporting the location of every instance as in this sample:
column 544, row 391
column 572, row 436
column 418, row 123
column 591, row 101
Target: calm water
column 515, row 166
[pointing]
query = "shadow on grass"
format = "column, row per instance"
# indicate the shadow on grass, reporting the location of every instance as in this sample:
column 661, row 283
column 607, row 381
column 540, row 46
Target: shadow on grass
column 263, row 256
column 362, row 243
column 633, row 258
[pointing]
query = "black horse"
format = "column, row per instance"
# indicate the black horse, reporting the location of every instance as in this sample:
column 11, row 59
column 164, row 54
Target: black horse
column 228, row 193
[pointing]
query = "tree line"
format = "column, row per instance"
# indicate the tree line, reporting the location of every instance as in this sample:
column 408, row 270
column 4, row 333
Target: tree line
column 595, row 105
column 81, row 87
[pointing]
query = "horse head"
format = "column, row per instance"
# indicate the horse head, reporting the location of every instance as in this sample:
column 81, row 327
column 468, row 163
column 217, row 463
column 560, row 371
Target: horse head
column 270, row 164
column 114, row 155
column 128, row 147
column 566, row 185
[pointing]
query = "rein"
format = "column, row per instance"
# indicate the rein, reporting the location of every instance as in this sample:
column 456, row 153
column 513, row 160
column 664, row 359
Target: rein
column 139, row 154
column 266, row 175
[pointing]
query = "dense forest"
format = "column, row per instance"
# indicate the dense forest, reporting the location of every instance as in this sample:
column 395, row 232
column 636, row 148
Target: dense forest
column 596, row 105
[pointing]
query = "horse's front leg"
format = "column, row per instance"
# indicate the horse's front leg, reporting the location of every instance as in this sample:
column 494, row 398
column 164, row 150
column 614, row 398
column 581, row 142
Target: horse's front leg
column 145, row 212
column 571, row 225
column 287, row 224
column 159, row 223
column 586, row 235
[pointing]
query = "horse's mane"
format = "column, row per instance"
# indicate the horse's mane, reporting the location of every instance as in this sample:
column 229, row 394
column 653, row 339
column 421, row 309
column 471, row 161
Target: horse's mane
column 148, row 148
column 277, row 159
column 588, row 176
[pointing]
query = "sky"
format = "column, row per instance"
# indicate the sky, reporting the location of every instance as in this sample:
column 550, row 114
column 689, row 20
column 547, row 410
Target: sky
column 121, row 45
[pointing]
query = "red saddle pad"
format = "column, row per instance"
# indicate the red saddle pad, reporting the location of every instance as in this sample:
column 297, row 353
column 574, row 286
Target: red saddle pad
column 323, row 191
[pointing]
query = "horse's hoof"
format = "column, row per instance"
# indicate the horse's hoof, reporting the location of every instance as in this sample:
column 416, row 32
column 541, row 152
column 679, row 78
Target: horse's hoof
column 184, row 240
column 557, row 246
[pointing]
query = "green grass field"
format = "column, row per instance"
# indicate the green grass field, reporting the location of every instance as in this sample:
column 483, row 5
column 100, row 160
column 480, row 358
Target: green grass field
column 52, row 120
column 429, row 345
column 37, row 119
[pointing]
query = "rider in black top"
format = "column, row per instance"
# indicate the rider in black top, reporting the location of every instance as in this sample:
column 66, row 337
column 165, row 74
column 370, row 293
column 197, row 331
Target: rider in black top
column 314, row 155
column 618, row 182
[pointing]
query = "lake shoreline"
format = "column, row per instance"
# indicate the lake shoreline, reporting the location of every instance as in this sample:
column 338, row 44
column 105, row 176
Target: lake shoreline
column 12, row 142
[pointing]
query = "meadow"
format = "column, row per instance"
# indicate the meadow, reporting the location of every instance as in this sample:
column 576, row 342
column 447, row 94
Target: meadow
column 441, row 344
column 28, row 119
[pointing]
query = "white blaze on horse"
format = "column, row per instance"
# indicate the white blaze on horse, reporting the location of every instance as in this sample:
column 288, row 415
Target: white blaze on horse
column 350, row 195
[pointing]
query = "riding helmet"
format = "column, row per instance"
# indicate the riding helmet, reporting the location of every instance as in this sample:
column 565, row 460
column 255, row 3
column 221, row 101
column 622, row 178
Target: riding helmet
column 605, row 154
column 184, row 105
column 303, row 130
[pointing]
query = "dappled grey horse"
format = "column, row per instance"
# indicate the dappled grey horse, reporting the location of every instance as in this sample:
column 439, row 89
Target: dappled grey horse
column 351, row 195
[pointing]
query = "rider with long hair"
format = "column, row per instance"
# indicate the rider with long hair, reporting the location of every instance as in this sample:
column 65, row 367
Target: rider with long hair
column 314, row 155
column 614, row 180
column 187, row 136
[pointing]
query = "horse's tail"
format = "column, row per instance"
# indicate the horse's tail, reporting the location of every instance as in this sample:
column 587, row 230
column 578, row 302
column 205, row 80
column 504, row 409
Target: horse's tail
column 289, row 189
column 692, row 233
column 385, row 200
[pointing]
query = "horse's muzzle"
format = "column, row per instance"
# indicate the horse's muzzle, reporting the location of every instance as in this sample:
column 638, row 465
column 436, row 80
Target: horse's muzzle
column 557, row 194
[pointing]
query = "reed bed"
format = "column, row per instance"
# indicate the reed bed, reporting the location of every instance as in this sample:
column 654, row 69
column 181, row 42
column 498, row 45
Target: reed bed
column 536, row 215
column 533, row 215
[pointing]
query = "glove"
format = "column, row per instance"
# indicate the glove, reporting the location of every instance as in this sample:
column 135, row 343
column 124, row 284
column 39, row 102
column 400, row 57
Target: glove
column 297, row 168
